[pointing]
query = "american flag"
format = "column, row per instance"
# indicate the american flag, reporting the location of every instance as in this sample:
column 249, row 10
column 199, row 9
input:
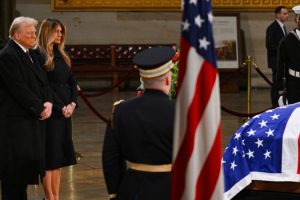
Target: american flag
column 265, row 148
column 196, row 172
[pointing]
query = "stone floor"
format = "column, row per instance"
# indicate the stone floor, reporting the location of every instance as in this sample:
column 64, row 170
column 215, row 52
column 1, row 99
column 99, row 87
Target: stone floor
column 85, row 181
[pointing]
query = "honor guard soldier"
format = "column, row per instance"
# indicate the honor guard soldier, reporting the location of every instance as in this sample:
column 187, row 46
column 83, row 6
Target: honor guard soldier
column 288, row 72
column 137, row 151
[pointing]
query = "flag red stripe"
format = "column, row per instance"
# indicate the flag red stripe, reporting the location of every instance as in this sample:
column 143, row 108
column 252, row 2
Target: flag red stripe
column 210, row 172
column 203, row 88
column 298, row 170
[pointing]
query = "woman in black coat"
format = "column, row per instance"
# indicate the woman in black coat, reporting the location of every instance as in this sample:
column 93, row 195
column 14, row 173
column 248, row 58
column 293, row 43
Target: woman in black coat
column 59, row 144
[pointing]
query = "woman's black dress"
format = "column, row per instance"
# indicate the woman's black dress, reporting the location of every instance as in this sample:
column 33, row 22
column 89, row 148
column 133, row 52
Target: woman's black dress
column 59, row 143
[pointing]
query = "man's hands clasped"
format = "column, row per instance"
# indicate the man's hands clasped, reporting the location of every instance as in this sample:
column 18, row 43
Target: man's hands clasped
column 68, row 110
column 46, row 113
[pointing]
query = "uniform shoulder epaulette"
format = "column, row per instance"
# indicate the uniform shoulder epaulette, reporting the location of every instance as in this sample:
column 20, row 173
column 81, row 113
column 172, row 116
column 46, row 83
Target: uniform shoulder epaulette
column 118, row 102
column 112, row 196
column 115, row 104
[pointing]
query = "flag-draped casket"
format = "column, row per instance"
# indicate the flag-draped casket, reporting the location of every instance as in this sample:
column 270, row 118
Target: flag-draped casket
column 265, row 148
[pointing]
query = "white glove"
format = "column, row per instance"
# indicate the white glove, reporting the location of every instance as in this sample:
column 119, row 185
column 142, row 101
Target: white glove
column 281, row 102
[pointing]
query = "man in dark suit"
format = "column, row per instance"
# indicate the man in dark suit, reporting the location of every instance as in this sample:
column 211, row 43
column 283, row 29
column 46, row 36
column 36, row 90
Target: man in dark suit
column 275, row 32
column 24, row 105
column 137, row 152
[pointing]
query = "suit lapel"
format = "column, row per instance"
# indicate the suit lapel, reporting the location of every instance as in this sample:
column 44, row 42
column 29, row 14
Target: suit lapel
column 32, row 66
column 27, row 62
column 279, row 28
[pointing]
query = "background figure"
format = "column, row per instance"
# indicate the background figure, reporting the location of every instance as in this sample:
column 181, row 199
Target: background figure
column 275, row 32
column 141, row 134
column 288, row 72
column 24, row 104
column 59, row 144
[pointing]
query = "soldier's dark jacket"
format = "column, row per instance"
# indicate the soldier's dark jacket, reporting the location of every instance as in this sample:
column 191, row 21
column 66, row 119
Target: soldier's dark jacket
column 141, row 132
column 289, row 59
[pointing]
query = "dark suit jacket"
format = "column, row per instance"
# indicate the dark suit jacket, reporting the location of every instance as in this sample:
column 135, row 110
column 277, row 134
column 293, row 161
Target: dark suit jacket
column 274, row 35
column 23, row 91
column 142, row 133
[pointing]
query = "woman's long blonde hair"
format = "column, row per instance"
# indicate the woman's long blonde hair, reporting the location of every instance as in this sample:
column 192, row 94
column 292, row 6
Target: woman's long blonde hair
column 46, row 36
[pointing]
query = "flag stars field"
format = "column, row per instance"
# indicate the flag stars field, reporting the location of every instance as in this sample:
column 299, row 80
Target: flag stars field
column 275, row 116
column 233, row 165
column 203, row 43
column 193, row 2
column 185, row 25
column 270, row 132
column 243, row 155
column 235, row 150
column 259, row 143
column 250, row 154
column 237, row 136
column 251, row 132
column 263, row 123
column 210, row 17
column 243, row 142
column 199, row 21
column 267, row 154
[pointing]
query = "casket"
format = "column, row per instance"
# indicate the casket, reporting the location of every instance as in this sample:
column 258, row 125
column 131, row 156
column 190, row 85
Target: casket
column 261, row 160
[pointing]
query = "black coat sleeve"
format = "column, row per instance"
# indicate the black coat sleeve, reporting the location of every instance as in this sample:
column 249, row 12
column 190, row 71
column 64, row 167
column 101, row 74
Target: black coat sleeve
column 73, row 87
column 114, row 166
column 13, row 76
column 281, row 66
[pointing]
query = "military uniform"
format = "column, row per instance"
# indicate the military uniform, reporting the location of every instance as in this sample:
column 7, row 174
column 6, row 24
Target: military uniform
column 137, row 151
column 289, row 66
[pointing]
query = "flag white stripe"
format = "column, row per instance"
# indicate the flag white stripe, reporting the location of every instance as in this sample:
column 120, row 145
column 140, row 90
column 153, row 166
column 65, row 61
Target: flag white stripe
column 290, row 143
column 185, row 97
column 206, row 131
column 219, row 189
column 239, row 186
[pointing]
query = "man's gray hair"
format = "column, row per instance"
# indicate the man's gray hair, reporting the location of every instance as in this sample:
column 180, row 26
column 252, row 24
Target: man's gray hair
column 18, row 22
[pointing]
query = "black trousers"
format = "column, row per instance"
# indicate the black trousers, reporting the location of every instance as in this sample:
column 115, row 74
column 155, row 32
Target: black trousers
column 274, row 92
column 13, row 191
